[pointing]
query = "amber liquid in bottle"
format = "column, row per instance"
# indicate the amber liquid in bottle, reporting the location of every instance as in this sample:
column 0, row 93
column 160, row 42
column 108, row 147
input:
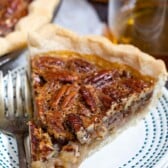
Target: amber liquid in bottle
column 145, row 25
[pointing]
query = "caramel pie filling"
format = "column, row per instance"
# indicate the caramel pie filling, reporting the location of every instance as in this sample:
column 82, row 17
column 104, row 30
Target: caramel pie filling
column 10, row 13
column 79, row 100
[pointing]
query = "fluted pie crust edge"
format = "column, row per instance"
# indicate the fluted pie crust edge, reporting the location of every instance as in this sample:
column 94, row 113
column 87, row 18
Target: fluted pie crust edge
column 55, row 38
column 40, row 12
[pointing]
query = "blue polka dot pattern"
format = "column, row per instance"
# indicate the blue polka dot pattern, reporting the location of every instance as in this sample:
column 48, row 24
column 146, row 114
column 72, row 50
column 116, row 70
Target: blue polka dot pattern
column 8, row 158
column 159, row 141
column 153, row 149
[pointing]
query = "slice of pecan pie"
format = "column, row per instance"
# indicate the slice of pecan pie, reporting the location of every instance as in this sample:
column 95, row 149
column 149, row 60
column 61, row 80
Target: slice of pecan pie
column 18, row 17
column 85, row 91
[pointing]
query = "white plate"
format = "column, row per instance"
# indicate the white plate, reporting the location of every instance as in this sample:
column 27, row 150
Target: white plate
column 142, row 146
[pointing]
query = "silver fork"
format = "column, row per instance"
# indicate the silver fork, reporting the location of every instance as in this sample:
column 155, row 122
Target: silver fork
column 15, row 109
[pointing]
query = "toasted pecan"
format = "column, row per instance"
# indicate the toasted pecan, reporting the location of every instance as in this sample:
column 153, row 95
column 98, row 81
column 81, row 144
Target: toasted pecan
column 60, row 75
column 100, row 78
column 88, row 97
column 81, row 66
column 75, row 123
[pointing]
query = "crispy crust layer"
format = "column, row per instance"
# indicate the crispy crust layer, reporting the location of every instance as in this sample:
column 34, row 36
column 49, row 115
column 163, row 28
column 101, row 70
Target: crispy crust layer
column 38, row 15
column 55, row 38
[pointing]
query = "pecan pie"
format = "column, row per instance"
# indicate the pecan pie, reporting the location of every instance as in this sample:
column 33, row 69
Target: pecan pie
column 85, row 91
column 17, row 17
column 10, row 12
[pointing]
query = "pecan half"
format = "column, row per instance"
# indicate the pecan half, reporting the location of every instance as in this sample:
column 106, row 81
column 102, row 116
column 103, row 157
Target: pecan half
column 57, row 97
column 106, row 100
column 117, row 91
column 136, row 85
column 81, row 66
column 69, row 99
column 74, row 122
column 100, row 78
column 60, row 75
column 89, row 98
column 64, row 97
column 47, row 62
column 55, row 126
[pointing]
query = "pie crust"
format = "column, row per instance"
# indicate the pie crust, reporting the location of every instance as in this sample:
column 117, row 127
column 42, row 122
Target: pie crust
column 53, row 38
column 38, row 15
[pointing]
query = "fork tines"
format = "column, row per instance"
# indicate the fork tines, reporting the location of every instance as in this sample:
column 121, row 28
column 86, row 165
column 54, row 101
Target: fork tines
column 16, row 96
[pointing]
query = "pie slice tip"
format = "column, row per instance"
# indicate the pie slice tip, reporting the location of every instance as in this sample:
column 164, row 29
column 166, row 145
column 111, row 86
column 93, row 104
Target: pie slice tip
column 86, row 91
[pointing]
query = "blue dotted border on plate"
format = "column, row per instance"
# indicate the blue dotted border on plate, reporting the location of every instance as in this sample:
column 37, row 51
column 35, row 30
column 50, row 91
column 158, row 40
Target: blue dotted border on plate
column 143, row 146
column 163, row 151
column 8, row 163
column 165, row 144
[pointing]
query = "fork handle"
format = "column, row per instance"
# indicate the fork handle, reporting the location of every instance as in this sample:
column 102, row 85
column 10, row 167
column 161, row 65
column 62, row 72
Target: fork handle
column 21, row 150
